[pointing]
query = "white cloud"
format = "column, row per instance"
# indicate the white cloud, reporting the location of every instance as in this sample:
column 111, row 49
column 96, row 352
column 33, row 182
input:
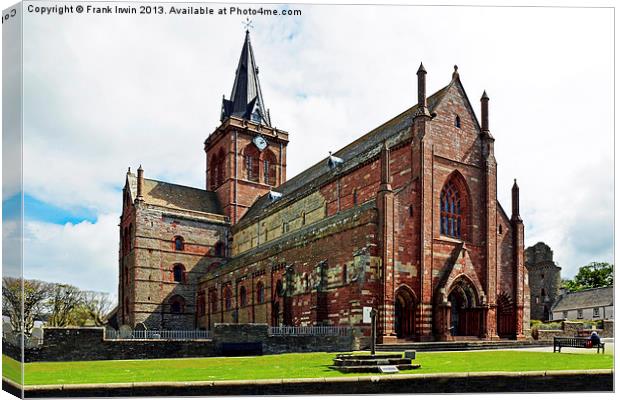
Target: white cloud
column 105, row 92
column 84, row 254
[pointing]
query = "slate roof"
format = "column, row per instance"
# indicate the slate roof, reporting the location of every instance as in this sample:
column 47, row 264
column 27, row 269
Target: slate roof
column 246, row 97
column 177, row 197
column 349, row 154
column 589, row 298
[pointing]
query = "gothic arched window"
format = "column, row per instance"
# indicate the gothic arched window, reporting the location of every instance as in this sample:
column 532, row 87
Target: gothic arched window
column 457, row 121
column 451, row 211
column 213, row 301
column 227, row 298
column 243, row 296
column 213, row 165
column 221, row 162
column 260, row 293
column 269, row 168
column 251, row 158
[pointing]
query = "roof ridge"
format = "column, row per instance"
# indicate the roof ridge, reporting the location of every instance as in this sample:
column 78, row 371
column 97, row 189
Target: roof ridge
column 177, row 184
column 440, row 92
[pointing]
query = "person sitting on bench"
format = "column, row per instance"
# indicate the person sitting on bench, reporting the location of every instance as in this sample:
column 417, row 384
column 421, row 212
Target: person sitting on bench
column 595, row 338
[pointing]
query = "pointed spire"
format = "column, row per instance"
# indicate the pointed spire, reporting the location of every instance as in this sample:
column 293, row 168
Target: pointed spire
column 455, row 74
column 246, row 98
column 484, row 112
column 421, row 86
column 515, row 202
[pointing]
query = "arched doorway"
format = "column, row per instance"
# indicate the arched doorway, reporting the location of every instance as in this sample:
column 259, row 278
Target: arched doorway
column 465, row 317
column 505, row 316
column 404, row 313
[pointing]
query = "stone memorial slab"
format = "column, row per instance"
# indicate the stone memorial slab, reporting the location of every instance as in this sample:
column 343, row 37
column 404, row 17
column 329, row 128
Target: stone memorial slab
column 388, row 369
column 410, row 354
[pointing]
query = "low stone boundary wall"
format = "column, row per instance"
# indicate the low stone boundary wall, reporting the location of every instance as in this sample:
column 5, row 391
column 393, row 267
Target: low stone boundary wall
column 481, row 382
column 79, row 344
column 571, row 328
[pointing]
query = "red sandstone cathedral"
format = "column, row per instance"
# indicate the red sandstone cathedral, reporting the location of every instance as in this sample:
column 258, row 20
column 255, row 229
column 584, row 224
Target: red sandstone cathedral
column 404, row 220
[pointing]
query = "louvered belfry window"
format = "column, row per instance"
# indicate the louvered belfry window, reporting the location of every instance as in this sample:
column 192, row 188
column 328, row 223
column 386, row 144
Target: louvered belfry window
column 451, row 216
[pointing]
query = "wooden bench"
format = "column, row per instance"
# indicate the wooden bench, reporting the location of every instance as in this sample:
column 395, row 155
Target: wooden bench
column 576, row 342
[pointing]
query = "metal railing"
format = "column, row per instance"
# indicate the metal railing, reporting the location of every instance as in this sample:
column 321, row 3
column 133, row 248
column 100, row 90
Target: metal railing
column 319, row 330
column 155, row 335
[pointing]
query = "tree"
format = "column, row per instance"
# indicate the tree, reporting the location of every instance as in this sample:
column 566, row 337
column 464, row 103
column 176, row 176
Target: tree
column 62, row 301
column 23, row 301
column 98, row 305
column 593, row 275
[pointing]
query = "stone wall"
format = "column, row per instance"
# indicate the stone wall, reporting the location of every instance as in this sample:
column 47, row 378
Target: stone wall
column 80, row 344
column 571, row 328
column 472, row 382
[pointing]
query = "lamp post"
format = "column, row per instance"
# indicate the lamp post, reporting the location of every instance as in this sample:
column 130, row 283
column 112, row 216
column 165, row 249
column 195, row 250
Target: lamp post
column 373, row 331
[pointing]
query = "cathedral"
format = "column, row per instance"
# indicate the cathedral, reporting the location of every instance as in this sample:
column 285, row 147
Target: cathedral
column 404, row 220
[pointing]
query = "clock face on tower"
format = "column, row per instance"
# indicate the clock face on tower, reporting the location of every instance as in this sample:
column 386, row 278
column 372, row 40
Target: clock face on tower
column 260, row 142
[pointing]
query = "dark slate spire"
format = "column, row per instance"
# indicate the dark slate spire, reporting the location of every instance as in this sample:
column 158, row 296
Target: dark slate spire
column 246, row 99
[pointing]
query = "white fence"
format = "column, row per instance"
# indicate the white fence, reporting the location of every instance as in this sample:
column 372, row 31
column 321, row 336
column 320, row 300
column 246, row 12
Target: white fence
column 309, row 330
column 154, row 335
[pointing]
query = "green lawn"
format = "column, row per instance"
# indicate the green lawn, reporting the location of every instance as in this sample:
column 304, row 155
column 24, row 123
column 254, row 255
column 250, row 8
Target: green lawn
column 306, row 365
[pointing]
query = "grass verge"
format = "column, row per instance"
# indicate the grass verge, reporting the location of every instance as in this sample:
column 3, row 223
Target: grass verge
column 300, row 365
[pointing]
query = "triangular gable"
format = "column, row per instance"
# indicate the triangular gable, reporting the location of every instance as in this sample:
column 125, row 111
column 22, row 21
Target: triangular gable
column 459, row 265
column 456, row 82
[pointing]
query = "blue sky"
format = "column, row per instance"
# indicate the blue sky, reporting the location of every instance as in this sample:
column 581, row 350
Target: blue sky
column 97, row 100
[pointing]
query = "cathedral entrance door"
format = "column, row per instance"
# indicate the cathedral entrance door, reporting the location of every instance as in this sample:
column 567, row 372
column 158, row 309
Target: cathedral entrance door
column 404, row 313
column 465, row 317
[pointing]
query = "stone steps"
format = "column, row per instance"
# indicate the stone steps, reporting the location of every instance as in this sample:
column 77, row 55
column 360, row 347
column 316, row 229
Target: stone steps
column 454, row 346
column 371, row 368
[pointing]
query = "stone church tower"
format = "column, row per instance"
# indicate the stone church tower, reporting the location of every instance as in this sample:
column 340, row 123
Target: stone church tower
column 544, row 278
column 245, row 155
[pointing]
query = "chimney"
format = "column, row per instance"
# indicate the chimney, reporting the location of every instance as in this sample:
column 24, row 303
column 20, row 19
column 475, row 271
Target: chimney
column 140, row 183
column 515, row 201
column 484, row 106
column 422, row 86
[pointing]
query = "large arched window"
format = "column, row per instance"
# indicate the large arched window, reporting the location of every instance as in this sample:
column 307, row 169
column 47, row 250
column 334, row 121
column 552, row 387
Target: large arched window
column 201, row 304
column 243, row 296
column 178, row 273
column 269, row 168
column 213, row 173
column 227, row 298
column 216, row 169
column 221, row 162
column 260, row 293
column 213, row 301
column 452, row 203
column 251, row 159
